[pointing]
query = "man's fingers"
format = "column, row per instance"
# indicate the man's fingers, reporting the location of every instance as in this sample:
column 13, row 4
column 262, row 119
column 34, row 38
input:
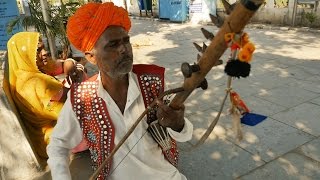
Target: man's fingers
column 76, row 74
column 163, row 110
column 164, row 122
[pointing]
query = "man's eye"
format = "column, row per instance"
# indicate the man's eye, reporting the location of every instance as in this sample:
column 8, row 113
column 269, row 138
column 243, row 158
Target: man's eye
column 126, row 40
column 113, row 44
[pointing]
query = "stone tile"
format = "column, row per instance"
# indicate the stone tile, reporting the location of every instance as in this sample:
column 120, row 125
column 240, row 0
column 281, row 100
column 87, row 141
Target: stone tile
column 245, row 88
column 216, row 159
column 315, row 78
column 255, row 104
column 265, row 65
column 288, row 60
column 216, row 78
column 291, row 166
column 312, row 149
column 313, row 64
column 300, row 72
column 271, row 80
column 316, row 101
column 287, row 96
column 270, row 139
column 261, row 54
column 201, row 119
column 261, row 106
column 206, row 99
column 307, row 85
column 304, row 117
column 312, row 70
column 267, row 140
column 174, row 78
column 271, row 65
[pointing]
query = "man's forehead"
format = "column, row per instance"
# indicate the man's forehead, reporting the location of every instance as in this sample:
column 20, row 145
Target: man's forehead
column 115, row 29
column 115, row 33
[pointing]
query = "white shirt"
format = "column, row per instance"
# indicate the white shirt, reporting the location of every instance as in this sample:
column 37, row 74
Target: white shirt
column 144, row 161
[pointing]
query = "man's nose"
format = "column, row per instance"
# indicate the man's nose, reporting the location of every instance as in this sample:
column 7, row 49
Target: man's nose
column 123, row 48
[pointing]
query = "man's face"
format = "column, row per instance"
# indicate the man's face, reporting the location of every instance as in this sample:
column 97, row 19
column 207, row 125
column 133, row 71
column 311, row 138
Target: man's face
column 41, row 59
column 113, row 52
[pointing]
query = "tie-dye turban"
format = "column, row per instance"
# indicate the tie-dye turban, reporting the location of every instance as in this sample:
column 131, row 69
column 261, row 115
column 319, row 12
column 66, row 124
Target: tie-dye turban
column 88, row 23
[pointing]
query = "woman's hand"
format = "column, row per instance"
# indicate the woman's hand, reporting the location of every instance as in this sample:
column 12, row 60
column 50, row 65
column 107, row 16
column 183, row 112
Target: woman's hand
column 169, row 117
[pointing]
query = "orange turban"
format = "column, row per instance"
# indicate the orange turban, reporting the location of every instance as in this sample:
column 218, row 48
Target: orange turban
column 88, row 23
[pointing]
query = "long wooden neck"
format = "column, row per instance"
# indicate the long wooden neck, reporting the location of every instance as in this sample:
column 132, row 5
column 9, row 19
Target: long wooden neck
column 236, row 22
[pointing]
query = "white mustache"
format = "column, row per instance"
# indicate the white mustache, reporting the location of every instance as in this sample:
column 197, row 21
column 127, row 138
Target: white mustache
column 126, row 59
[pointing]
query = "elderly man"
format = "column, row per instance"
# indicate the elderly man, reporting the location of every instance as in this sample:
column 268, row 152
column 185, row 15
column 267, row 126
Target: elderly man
column 100, row 111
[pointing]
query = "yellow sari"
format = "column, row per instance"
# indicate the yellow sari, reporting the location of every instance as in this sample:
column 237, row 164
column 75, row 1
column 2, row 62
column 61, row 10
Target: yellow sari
column 32, row 90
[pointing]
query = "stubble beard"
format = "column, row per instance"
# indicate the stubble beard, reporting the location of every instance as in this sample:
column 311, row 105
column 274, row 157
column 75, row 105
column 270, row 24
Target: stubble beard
column 120, row 72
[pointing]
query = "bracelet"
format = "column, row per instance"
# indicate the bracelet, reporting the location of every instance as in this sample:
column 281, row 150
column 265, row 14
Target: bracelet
column 80, row 67
column 67, row 82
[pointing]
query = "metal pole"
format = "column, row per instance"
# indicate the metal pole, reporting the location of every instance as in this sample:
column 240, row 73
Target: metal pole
column 295, row 4
column 125, row 5
column 50, row 38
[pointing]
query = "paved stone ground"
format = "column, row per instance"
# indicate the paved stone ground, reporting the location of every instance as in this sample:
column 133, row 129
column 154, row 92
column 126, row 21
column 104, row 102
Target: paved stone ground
column 284, row 85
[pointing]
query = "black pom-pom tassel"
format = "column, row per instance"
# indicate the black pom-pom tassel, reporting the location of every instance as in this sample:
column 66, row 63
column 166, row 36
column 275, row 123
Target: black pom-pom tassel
column 236, row 68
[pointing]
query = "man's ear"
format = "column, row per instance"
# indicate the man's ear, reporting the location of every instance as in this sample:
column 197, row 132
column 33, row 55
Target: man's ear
column 90, row 57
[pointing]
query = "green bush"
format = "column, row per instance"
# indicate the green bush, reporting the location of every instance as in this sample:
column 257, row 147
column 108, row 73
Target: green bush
column 58, row 14
column 311, row 17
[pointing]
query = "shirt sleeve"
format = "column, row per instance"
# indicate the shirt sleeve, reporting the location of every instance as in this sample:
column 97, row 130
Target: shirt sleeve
column 66, row 135
column 185, row 134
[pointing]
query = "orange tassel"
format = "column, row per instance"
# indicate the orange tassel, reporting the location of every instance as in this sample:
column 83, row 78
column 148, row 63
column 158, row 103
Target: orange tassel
column 237, row 102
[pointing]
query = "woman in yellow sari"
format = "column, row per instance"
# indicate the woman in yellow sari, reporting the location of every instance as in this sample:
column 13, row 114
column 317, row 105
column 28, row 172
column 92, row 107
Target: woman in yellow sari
column 32, row 90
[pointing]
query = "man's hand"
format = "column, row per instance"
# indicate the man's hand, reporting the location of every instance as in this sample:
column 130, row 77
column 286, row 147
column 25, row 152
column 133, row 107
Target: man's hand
column 169, row 117
column 77, row 73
